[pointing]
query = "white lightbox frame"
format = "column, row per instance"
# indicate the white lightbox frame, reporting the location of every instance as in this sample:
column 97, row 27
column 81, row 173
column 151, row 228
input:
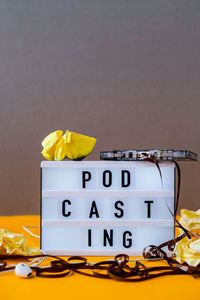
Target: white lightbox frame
column 107, row 194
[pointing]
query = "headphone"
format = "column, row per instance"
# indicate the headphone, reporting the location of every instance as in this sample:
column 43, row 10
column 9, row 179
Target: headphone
column 23, row 270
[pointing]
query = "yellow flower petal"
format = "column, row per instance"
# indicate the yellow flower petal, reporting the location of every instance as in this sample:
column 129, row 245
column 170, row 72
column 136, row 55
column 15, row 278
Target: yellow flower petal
column 78, row 145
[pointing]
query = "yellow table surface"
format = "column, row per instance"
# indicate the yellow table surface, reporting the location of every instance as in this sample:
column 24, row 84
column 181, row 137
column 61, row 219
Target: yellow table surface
column 79, row 286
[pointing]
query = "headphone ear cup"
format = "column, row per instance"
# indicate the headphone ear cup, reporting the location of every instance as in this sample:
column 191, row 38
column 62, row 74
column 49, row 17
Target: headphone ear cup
column 22, row 270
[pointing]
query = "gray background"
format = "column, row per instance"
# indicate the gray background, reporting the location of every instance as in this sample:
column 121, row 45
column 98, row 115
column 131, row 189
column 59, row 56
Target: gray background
column 126, row 72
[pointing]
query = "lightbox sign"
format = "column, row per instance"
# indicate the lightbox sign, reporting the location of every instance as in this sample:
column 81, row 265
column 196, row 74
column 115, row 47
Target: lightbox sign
column 105, row 208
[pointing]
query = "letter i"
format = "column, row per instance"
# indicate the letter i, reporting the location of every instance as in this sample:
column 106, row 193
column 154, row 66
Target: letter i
column 89, row 238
